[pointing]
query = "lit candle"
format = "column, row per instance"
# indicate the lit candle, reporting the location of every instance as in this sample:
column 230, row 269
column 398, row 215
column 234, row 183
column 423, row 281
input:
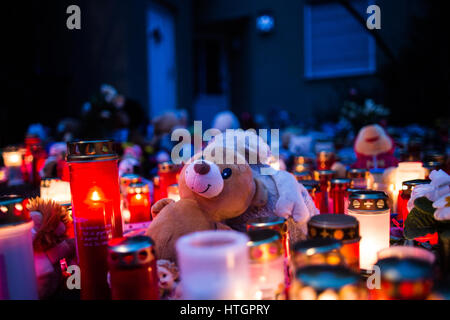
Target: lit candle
column 359, row 178
column 326, row 282
column 168, row 175
column 214, row 265
column 317, row 251
column 313, row 187
column 55, row 189
column 324, row 176
column 372, row 211
column 338, row 192
column 404, row 196
column 94, row 184
column 17, row 273
column 12, row 157
column 173, row 192
column 138, row 202
column 342, row 228
column 267, row 265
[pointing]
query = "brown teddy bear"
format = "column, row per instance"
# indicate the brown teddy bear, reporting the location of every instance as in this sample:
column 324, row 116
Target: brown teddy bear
column 216, row 193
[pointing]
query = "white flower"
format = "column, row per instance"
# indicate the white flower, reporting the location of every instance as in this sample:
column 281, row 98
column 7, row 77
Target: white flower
column 442, row 206
column 438, row 187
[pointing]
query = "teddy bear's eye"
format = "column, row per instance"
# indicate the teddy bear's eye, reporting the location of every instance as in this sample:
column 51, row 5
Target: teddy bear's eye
column 226, row 173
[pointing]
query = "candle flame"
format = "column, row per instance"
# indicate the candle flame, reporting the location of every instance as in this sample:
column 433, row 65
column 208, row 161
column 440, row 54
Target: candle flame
column 95, row 196
column 138, row 196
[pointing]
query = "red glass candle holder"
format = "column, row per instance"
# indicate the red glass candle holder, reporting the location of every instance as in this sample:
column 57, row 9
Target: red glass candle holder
column 133, row 271
column 324, row 176
column 338, row 193
column 34, row 159
column 304, row 175
column 303, row 164
column 94, row 184
column 156, row 189
column 325, row 159
column 313, row 187
column 168, row 175
column 138, row 202
column 404, row 196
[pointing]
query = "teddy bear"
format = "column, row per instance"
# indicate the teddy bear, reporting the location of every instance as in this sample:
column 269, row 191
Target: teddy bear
column 220, row 191
column 51, row 243
column 374, row 148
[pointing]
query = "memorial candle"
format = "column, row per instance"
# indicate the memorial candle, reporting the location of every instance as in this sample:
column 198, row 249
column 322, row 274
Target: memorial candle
column 138, row 202
column 168, row 175
column 94, row 184
column 324, row 176
column 337, row 195
column 12, row 157
column 404, row 196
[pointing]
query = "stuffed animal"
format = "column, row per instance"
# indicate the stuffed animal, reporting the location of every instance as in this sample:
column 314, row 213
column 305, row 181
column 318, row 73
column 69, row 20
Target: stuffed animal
column 374, row 148
column 50, row 243
column 217, row 193
column 168, row 276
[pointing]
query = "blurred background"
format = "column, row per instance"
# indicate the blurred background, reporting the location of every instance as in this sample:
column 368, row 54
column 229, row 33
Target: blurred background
column 272, row 63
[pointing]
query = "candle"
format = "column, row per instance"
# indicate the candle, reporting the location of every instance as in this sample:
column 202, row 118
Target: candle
column 94, row 184
column 359, row 178
column 326, row 282
column 317, row 251
column 34, row 159
column 342, row 228
column 12, row 157
column 132, row 266
column 303, row 164
column 324, row 176
column 214, row 265
column 337, row 195
column 402, row 252
column 173, row 192
column 138, row 202
column 403, row 279
column 156, row 189
column 304, row 175
column 55, row 189
column 17, row 273
column 168, row 175
column 325, row 160
column 126, row 180
column 373, row 214
column 267, row 265
column 313, row 187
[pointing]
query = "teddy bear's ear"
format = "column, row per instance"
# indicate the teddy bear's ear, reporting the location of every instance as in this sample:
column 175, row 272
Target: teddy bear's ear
column 261, row 194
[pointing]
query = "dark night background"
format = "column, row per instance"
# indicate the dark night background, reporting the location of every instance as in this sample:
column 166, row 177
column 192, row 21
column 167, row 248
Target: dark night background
column 48, row 71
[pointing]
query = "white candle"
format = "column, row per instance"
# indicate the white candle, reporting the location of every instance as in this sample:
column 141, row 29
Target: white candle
column 56, row 189
column 373, row 214
column 12, row 157
column 214, row 265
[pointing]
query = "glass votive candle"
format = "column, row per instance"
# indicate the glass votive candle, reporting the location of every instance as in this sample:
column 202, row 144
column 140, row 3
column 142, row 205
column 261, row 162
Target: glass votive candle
column 317, row 251
column 338, row 192
column 403, row 279
column 325, row 160
column 214, row 265
column 168, row 175
column 13, row 160
column 267, row 265
column 403, row 252
column 343, row 228
column 372, row 211
column 404, row 196
column 173, row 192
column 324, row 177
column 17, row 272
column 326, row 282
column 156, row 189
column 303, row 164
column 94, row 184
column 347, row 195
column 359, row 178
column 34, row 159
column 138, row 202
column 55, row 189
column 377, row 179
column 126, row 180
column 313, row 187
column 132, row 268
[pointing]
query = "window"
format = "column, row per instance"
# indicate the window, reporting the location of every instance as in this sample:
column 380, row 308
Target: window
column 336, row 44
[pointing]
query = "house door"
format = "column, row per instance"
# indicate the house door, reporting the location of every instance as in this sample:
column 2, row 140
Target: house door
column 161, row 60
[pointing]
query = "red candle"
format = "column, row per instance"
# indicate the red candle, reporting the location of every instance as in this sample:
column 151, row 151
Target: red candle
column 138, row 201
column 337, row 194
column 313, row 187
column 325, row 159
column 359, row 178
column 94, row 184
column 404, row 196
column 34, row 159
column 324, row 176
column 168, row 175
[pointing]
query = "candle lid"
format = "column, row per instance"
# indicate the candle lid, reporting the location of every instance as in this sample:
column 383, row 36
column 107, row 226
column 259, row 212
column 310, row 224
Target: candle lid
column 315, row 246
column 264, row 245
column 165, row 167
column 139, row 187
column 314, row 184
column 404, row 269
column 357, row 173
column 12, row 211
column 131, row 178
column 340, row 227
column 130, row 252
column 97, row 150
column 273, row 223
column 340, row 183
column 322, row 277
column 408, row 186
column 368, row 200
column 302, row 175
column 323, row 173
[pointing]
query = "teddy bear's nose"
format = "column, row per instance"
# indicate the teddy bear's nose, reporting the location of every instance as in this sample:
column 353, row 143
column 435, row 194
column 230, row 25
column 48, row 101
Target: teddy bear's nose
column 201, row 167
